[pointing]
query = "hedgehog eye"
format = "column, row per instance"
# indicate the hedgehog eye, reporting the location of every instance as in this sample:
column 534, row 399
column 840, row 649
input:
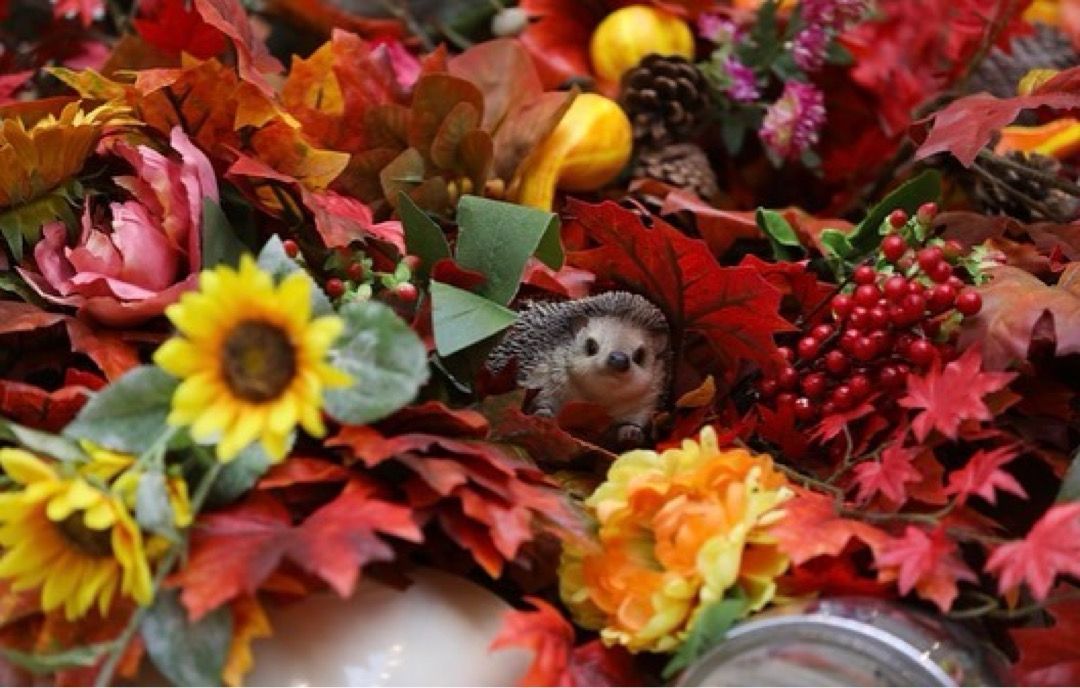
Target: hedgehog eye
column 592, row 347
column 639, row 356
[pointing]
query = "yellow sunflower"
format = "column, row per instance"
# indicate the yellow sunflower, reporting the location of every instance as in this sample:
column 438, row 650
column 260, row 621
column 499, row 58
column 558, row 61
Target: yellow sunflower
column 37, row 158
column 76, row 542
column 252, row 360
column 123, row 475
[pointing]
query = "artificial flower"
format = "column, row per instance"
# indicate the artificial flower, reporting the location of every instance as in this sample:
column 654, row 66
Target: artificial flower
column 251, row 358
column 793, row 123
column 123, row 474
column 127, row 268
column 742, row 83
column 677, row 531
column 74, row 541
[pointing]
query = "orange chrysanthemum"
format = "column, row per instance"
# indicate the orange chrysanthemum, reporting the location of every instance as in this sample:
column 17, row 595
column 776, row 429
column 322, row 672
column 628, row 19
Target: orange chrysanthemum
column 678, row 531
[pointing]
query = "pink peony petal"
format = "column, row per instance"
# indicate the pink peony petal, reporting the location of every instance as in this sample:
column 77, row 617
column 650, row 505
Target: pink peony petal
column 197, row 177
column 55, row 269
column 116, row 313
column 96, row 253
column 149, row 260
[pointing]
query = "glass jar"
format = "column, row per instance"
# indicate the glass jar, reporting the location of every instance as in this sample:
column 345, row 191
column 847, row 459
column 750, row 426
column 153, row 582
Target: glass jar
column 846, row 642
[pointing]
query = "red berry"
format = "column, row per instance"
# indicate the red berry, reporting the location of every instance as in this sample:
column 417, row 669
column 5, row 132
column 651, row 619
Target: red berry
column 896, row 288
column 355, row 272
column 881, row 341
column 335, row 288
column 407, row 292
column 813, row 385
column 914, row 305
column 947, row 351
column 931, row 328
column 847, row 341
column 921, row 352
column 902, row 343
column 292, row 249
column 926, row 213
column 413, row 262
column 786, row 353
column 828, row 408
column 893, row 247
column 821, row 332
column 860, row 386
column 842, row 397
column 905, row 263
column 898, row 218
column 785, row 399
column 864, row 274
column 836, row 362
column 788, row 378
column 860, row 318
column 952, row 249
column 956, row 283
column 889, row 377
column 804, row 409
column 914, row 287
column 768, row 387
column 879, row 317
column 842, row 305
column 929, row 257
column 969, row 302
column 808, row 347
column 896, row 316
column 867, row 295
column 864, row 349
column 941, row 272
column 941, row 298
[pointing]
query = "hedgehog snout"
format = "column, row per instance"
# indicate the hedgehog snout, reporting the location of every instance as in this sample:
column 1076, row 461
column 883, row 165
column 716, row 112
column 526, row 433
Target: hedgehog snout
column 619, row 361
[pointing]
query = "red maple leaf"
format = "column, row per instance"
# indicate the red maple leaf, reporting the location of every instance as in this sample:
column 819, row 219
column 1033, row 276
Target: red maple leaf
column 967, row 125
column 811, row 527
column 174, row 28
column 1050, row 656
column 233, row 551
column 556, row 662
column 925, row 563
column 1052, row 547
column 982, row 476
column 229, row 17
column 341, row 220
column 889, row 476
column 734, row 308
column 37, row 408
column 778, row 427
column 953, row 395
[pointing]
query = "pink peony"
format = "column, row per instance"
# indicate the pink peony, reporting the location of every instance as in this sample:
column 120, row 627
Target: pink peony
column 123, row 271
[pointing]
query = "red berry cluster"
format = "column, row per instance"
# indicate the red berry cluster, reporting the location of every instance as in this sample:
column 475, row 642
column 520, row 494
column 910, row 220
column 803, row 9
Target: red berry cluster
column 891, row 320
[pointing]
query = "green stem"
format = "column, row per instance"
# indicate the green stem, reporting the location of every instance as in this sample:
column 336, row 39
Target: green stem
column 112, row 661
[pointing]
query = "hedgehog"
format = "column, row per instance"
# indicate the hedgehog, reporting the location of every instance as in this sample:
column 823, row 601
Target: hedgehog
column 611, row 350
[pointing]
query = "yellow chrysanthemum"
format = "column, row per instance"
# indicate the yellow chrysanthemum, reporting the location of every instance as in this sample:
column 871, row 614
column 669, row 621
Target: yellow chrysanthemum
column 38, row 158
column 677, row 531
column 74, row 541
column 252, row 360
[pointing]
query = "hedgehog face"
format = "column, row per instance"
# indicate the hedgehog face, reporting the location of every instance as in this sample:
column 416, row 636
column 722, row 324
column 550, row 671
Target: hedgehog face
column 613, row 360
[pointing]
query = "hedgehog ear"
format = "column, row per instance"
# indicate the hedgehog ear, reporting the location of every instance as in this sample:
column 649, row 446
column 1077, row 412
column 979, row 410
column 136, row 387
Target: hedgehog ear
column 577, row 323
column 660, row 340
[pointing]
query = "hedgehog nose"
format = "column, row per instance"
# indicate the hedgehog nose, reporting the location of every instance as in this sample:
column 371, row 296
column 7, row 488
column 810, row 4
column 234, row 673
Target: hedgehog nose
column 619, row 361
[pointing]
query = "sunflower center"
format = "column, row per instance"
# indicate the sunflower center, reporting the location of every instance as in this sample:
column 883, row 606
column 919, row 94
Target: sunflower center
column 259, row 361
column 96, row 543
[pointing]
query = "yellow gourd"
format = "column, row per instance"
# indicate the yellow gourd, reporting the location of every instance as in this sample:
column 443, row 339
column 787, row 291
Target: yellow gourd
column 627, row 35
column 586, row 150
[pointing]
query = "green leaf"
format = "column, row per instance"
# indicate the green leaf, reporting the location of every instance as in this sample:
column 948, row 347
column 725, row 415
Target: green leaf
column 387, row 362
column 47, row 663
column 56, row 446
column 129, row 414
column 1070, row 485
column 496, row 239
column 22, row 223
column 462, row 318
column 153, row 511
column 423, row 236
column 274, row 260
column 709, row 630
column 839, row 55
column 220, row 243
column 235, row 478
column 188, row 654
column 866, row 236
column 785, row 243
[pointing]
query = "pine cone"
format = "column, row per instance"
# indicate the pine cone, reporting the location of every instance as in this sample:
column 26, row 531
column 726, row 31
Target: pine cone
column 997, row 199
column 1047, row 47
column 682, row 165
column 665, row 98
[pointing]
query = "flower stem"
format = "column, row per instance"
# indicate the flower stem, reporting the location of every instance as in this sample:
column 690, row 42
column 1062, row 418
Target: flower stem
column 116, row 653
